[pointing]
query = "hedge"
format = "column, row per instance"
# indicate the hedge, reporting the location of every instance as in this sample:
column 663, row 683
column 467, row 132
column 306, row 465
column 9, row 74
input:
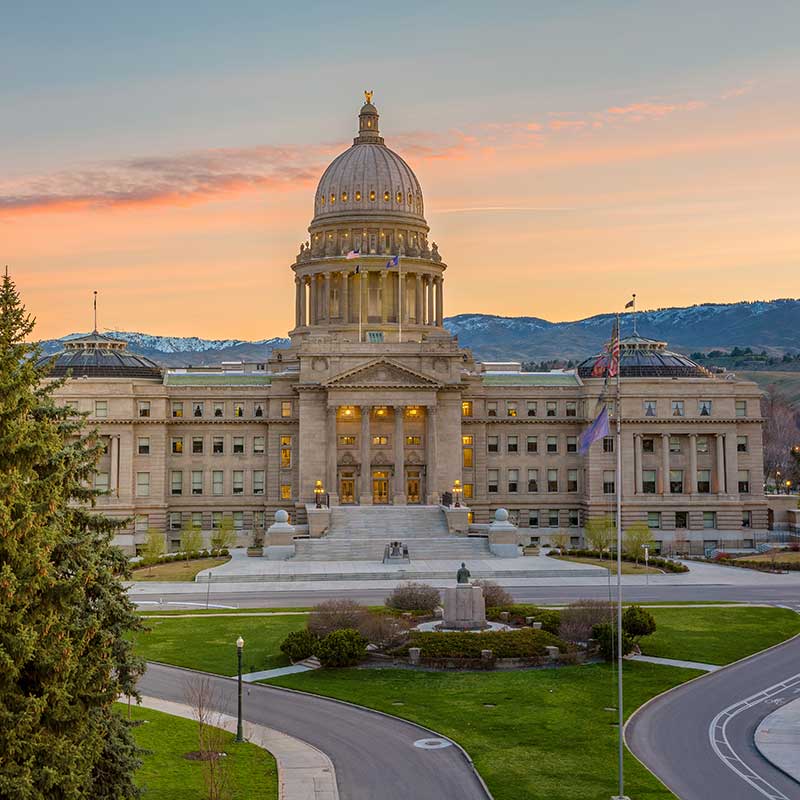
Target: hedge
column 653, row 561
column 761, row 566
column 550, row 619
column 525, row 643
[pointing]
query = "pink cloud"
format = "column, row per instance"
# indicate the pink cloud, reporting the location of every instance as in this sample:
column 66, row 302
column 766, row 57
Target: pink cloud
column 652, row 110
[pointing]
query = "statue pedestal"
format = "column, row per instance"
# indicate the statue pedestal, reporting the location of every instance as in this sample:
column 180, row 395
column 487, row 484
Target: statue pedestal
column 464, row 608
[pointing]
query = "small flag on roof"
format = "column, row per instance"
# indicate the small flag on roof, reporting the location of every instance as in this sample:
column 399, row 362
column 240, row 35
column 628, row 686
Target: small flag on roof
column 353, row 254
column 393, row 262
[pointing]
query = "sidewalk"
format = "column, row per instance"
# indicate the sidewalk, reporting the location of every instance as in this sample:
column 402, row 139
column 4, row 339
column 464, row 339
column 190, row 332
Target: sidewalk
column 778, row 738
column 304, row 773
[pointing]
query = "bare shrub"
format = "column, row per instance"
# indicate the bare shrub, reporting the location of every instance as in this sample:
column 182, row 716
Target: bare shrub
column 578, row 619
column 494, row 596
column 334, row 615
column 384, row 630
column 212, row 739
column 414, row 597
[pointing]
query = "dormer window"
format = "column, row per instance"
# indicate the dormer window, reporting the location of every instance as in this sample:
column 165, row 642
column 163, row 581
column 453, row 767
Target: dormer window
column 372, row 195
column 399, row 198
column 386, row 196
column 358, row 197
column 333, row 198
column 344, row 197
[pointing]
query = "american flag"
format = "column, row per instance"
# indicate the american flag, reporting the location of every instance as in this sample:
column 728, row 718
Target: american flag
column 613, row 364
column 353, row 254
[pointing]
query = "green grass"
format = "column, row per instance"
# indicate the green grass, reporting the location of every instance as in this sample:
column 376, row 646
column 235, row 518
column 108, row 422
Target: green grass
column 177, row 570
column 718, row 635
column 210, row 612
column 537, row 733
column 166, row 775
column 208, row 643
column 628, row 567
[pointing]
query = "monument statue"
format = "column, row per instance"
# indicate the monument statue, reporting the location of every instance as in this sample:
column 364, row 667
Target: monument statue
column 368, row 96
column 462, row 576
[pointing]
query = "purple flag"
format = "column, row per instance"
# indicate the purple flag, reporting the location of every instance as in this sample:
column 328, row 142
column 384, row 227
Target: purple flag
column 597, row 430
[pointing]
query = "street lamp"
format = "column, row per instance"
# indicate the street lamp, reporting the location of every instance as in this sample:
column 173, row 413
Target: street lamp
column 239, row 648
column 318, row 492
column 457, row 492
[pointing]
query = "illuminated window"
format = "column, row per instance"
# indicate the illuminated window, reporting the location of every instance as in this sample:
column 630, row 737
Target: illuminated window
column 177, row 445
column 372, row 195
column 414, row 441
column 177, row 409
column 468, row 451
column 466, row 408
column 381, row 441
column 286, row 408
column 333, row 198
column 344, row 197
column 399, row 198
column 347, row 440
column 358, row 197
column 286, row 452
column 468, row 491
column 238, row 409
column 511, row 409
column 386, row 196
column 286, row 491
column 322, row 200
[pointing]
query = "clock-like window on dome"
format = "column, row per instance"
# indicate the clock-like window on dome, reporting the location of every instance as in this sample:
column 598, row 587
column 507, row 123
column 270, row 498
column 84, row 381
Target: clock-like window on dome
column 358, row 197
column 322, row 200
column 386, row 196
column 344, row 197
column 333, row 198
column 372, row 195
column 399, row 198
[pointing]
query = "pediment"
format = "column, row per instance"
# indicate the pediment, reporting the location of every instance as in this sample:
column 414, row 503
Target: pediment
column 382, row 373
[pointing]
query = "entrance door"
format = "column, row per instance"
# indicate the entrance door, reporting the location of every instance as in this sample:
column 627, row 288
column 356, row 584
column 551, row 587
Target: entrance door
column 412, row 486
column 347, row 488
column 380, row 488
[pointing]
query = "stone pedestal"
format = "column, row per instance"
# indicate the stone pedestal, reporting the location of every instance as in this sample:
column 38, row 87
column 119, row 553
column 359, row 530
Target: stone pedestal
column 280, row 538
column 319, row 520
column 464, row 608
column 503, row 539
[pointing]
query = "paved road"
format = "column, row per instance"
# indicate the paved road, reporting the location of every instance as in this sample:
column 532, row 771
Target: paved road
column 698, row 738
column 374, row 756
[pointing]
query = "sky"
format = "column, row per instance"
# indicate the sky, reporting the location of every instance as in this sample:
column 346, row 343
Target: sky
column 570, row 153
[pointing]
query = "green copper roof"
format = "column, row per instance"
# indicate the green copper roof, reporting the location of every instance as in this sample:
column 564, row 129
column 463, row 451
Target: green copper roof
column 530, row 379
column 207, row 379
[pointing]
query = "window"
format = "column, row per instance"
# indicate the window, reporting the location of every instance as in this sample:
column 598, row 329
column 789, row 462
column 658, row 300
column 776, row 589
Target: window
column 533, row 480
column 217, row 482
column 101, row 408
column 493, row 480
column 141, row 523
column 347, row 440
column 648, row 445
column 741, row 408
column 511, row 409
column 286, row 408
column 286, row 452
column 286, row 491
column 677, row 408
column 573, row 518
column 143, row 445
column 198, row 409
column 572, row 480
column 175, row 521
column 513, row 480
column 217, row 445
column 238, row 481
column 238, row 409
column 258, row 410
column 709, row 519
column 744, row 481
column 467, row 450
column 747, row 519
column 258, row 481
column 552, row 518
column 649, row 481
column 197, row 445
column 177, row 445
column 176, row 482
column 551, row 408
column 676, row 481
column 609, row 481
column 101, row 482
column 258, row 445
column 572, row 444
column 741, row 444
column 512, row 444
column 703, row 481
column 532, row 408
column 571, row 408
column 469, row 491
column 533, row 518
column 219, row 409
column 491, row 408
column 197, row 520
column 552, row 444
column 674, row 444
column 238, row 520
column 704, row 408
column 143, row 484
column 466, row 408
column 216, row 520
column 532, row 444
column 608, row 444
column 177, row 409
column 650, row 408
column 258, row 519
column 380, row 441
column 702, row 444
column 492, row 444
column 415, row 441
column 375, row 337
column 197, row 481
column 681, row 519
column 552, row 480
column 372, row 193
column 144, row 408
column 238, row 445
column 653, row 520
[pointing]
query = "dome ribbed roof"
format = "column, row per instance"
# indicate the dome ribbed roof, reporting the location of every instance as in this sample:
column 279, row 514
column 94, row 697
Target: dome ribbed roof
column 640, row 357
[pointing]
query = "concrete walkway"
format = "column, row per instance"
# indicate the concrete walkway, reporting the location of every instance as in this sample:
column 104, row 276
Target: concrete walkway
column 778, row 738
column 675, row 662
column 306, row 665
column 304, row 773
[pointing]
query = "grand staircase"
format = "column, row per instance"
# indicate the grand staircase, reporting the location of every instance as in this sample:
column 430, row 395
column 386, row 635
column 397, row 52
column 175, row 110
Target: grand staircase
column 361, row 533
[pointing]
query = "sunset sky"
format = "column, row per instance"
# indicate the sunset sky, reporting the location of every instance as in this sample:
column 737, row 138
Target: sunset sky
column 570, row 153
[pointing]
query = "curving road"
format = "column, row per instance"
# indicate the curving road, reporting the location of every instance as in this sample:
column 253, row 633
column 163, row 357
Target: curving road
column 698, row 738
column 374, row 756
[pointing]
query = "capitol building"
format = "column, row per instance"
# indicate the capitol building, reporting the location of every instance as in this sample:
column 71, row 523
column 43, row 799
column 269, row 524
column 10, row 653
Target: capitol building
column 374, row 403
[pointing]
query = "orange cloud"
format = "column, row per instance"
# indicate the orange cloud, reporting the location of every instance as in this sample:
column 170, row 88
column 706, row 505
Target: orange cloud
column 639, row 111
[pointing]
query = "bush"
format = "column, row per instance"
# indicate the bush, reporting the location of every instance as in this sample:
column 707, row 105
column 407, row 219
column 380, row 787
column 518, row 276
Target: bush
column 606, row 635
column 654, row 561
column 334, row 615
column 579, row 618
column 414, row 597
column 493, row 594
column 638, row 622
column 525, row 643
column 342, row 648
column 383, row 629
column 550, row 619
column 299, row 645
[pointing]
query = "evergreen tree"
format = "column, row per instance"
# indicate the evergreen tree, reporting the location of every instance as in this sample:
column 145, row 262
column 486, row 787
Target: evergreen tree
column 65, row 653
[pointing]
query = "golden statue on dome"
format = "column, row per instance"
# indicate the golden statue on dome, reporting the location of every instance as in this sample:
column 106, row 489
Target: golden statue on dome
column 368, row 95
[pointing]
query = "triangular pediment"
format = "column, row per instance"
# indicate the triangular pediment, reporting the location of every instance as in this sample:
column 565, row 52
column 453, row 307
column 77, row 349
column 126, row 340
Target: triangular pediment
column 382, row 372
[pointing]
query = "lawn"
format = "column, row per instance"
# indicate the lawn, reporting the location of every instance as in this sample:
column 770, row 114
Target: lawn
column 166, row 774
column 149, row 611
column 208, row 643
column 177, row 570
column 718, row 635
column 627, row 567
column 776, row 555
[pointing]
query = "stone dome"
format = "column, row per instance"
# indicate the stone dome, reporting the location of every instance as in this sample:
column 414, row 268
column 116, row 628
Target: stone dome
column 640, row 357
column 368, row 179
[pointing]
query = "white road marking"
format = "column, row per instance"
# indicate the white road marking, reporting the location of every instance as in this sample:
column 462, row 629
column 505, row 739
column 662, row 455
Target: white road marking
column 717, row 735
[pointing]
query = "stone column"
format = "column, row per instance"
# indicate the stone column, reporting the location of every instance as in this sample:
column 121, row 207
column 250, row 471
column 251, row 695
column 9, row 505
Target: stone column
column 344, row 296
column 366, row 451
column 429, row 316
column 732, row 463
column 637, row 463
column 312, row 300
column 720, row 465
column 402, row 304
column 363, row 287
column 439, row 302
column 332, row 484
column 384, row 296
column 665, row 462
column 303, row 285
column 297, row 296
column 399, row 498
column 431, row 479
column 418, row 300
column 114, row 471
column 693, row 463
column 326, row 298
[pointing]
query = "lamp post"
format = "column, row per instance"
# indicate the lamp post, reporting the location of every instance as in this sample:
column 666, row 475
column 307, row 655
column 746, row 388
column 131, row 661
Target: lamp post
column 239, row 648
column 457, row 493
column 318, row 492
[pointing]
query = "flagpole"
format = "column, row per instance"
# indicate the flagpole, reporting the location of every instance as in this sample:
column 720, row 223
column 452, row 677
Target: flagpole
column 620, row 712
column 400, row 294
column 360, row 296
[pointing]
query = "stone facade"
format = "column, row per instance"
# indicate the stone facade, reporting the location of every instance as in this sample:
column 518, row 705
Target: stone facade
column 375, row 399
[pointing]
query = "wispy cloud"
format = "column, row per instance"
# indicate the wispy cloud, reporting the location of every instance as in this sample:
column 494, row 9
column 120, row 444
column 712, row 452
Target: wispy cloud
column 654, row 110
